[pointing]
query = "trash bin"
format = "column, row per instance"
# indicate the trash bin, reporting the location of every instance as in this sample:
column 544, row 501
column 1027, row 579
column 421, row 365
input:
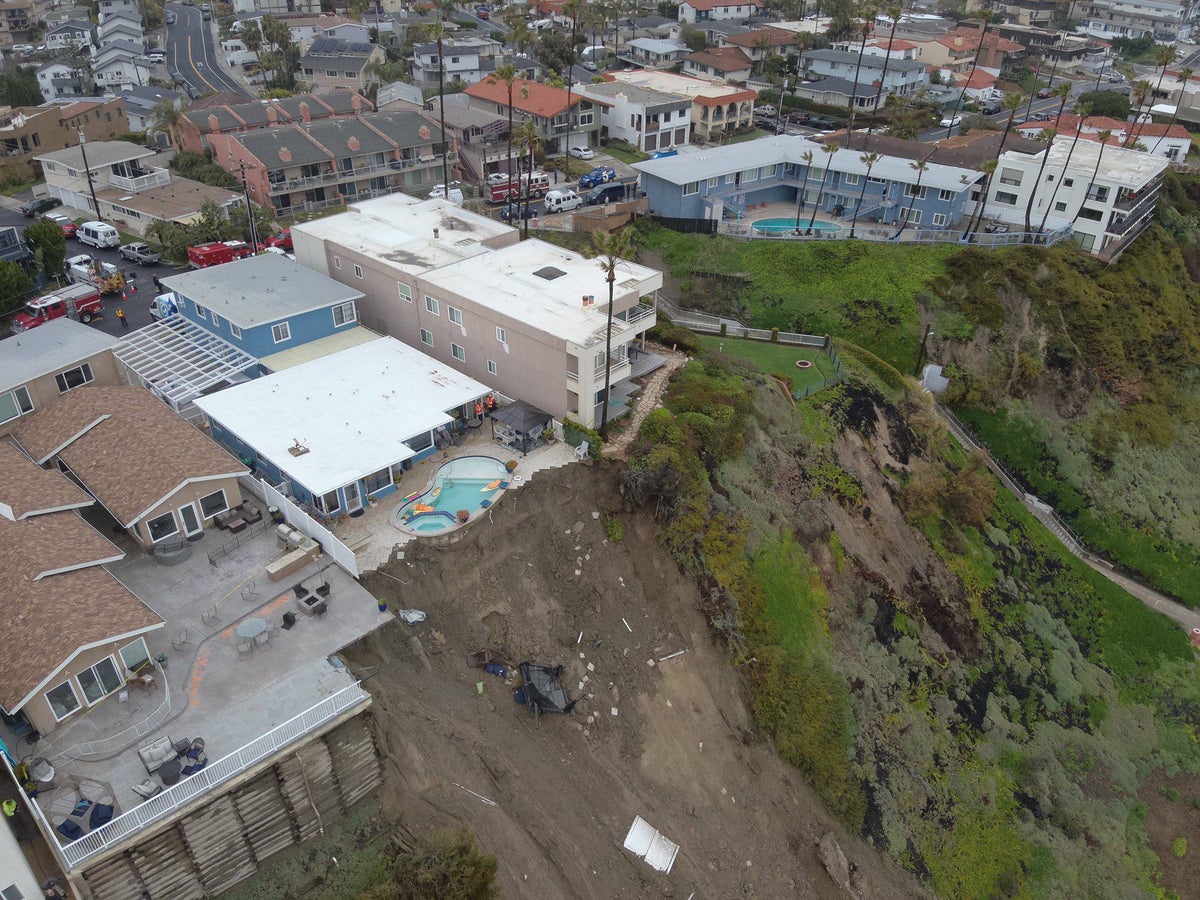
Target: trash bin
column 275, row 514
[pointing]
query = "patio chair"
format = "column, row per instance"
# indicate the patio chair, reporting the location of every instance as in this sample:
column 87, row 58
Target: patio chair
column 262, row 639
column 245, row 648
column 181, row 639
column 147, row 789
column 581, row 451
column 102, row 814
column 69, row 829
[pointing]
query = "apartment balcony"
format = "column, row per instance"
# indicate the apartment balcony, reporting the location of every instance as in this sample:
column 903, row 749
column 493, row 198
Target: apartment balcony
column 308, row 181
column 1131, row 201
column 152, row 179
column 637, row 314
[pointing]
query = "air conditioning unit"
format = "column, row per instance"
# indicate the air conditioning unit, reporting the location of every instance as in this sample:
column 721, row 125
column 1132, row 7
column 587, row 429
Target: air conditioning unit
column 428, row 159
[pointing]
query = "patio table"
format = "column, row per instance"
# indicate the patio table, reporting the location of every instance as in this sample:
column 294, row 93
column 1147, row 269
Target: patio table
column 251, row 628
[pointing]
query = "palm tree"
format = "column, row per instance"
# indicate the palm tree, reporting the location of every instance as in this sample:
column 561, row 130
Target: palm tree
column 868, row 160
column 252, row 37
column 1083, row 110
column 572, row 8
column 1103, row 137
column 868, row 22
column 528, row 140
column 807, row 156
column 437, row 33
column 609, row 248
column 507, row 74
column 1163, row 57
column 920, row 167
column 1048, row 136
column 1137, row 96
column 1185, row 75
column 894, row 12
column 168, row 118
column 1012, row 102
column 987, row 18
column 988, row 168
column 830, row 149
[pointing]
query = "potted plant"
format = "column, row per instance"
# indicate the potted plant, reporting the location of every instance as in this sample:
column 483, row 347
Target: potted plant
column 463, row 515
column 511, row 465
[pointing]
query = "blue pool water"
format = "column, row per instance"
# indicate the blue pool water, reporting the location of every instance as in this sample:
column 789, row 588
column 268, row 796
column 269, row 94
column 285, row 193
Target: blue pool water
column 459, row 484
column 783, row 226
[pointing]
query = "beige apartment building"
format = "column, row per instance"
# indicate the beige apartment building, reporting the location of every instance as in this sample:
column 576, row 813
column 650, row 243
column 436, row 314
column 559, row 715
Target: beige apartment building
column 524, row 317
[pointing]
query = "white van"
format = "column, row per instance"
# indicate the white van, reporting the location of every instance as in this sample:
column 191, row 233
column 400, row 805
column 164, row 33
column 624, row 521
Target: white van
column 454, row 195
column 98, row 235
column 562, row 201
column 591, row 54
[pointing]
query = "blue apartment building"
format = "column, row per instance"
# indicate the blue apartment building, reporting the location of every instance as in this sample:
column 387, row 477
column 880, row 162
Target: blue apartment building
column 265, row 305
column 727, row 183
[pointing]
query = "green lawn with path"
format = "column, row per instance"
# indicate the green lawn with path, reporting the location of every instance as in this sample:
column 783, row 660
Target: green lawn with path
column 771, row 358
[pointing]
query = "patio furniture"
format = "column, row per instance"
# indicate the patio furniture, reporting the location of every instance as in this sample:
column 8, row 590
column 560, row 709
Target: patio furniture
column 251, row 628
column 245, row 648
column 261, row 640
column 195, row 758
column 147, row 789
column 251, row 513
column 320, row 609
column 102, row 814
column 154, row 755
column 170, row 771
column 323, row 589
column 581, row 451
column 69, row 829
column 236, row 525
column 181, row 639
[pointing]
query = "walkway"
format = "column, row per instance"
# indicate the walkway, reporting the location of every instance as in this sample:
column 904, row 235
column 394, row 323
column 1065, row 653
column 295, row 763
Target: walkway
column 1172, row 609
column 649, row 399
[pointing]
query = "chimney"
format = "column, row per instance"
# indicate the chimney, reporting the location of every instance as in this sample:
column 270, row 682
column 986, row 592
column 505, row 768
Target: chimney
column 305, row 113
column 356, row 102
column 435, row 234
column 285, row 155
column 352, row 145
column 214, row 124
column 272, row 114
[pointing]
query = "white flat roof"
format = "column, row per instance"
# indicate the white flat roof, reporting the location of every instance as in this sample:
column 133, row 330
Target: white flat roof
column 398, row 229
column 49, row 348
column 261, row 289
column 670, row 83
column 507, row 282
column 353, row 410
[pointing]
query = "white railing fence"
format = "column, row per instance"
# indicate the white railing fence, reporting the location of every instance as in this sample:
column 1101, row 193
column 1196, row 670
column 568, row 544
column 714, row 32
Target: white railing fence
column 206, row 781
column 303, row 522
column 128, row 736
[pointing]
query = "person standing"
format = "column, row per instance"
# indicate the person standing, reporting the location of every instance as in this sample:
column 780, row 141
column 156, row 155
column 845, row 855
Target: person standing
column 121, row 316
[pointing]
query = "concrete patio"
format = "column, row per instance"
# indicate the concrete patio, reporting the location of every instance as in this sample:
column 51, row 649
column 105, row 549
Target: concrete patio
column 208, row 689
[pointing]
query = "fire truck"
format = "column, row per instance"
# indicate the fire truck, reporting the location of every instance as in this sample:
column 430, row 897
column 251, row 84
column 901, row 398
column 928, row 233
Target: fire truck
column 502, row 190
column 204, row 255
column 78, row 301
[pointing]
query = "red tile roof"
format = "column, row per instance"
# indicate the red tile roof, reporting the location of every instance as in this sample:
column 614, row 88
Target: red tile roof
column 530, row 97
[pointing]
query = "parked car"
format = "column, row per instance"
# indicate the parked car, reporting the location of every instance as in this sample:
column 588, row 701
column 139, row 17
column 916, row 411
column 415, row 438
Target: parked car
column 483, row 12
column 950, row 121
column 517, row 211
column 598, row 175
column 68, row 227
column 766, row 109
column 797, row 118
column 990, row 107
column 606, row 193
column 1043, row 93
column 170, row 18
column 581, row 152
column 821, row 122
column 40, row 205
column 1041, row 117
column 454, row 195
column 140, row 254
column 562, row 201
column 283, row 240
column 156, row 56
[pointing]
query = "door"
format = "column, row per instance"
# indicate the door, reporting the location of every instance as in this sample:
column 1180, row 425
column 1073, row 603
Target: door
column 190, row 519
column 353, row 499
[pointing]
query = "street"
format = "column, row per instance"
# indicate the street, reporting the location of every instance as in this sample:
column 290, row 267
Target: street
column 190, row 52
column 1049, row 105
column 136, row 304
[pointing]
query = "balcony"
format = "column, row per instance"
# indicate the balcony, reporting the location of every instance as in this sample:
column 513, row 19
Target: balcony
column 636, row 314
column 152, row 179
column 293, row 184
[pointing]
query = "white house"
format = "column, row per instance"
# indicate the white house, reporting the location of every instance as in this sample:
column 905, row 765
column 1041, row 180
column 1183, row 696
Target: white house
column 107, row 9
column 1170, row 142
column 57, row 79
column 118, row 67
column 120, row 30
column 467, row 60
column 653, row 53
column 647, row 119
column 1106, row 212
column 693, row 11
column 70, row 34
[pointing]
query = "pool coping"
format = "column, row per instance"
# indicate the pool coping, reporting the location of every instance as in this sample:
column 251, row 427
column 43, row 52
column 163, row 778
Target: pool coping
column 513, row 481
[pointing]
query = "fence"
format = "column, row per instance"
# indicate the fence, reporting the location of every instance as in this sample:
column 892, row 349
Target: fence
column 710, row 324
column 127, row 737
column 892, row 234
column 303, row 522
column 208, row 780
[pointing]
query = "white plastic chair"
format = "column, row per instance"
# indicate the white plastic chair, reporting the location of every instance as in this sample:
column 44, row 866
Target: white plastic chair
column 581, row 451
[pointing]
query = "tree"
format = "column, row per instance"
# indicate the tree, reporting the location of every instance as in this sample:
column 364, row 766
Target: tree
column 49, row 246
column 507, row 74
column 1137, row 98
column 829, row 149
column 987, row 18
column 1113, row 104
column 1063, row 91
column 867, row 25
column 19, row 87
column 554, row 50
column 1083, row 113
column 807, row 157
column 609, row 248
column 988, row 168
column 1163, row 57
column 894, row 12
column 1103, row 137
column 868, row 160
column 528, row 140
column 252, row 37
column 1012, row 102
column 15, row 285
column 442, row 863
column 920, row 167
column 166, row 116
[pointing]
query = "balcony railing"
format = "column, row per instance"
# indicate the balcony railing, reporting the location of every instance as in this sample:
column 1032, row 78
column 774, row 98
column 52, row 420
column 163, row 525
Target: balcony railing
column 207, row 781
column 636, row 313
column 572, row 376
column 292, row 184
column 156, row 178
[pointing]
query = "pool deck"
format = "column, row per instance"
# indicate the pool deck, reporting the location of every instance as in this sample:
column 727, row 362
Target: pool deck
column 374, row 537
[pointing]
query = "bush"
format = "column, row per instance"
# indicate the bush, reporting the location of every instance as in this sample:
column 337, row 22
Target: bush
column 1179, row 848
column 613, row 529
column 677, row 337
column 575, row 434
column 442, row 863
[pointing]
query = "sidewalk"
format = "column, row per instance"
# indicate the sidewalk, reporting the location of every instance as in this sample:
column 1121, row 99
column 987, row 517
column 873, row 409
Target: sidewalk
column 649, row 399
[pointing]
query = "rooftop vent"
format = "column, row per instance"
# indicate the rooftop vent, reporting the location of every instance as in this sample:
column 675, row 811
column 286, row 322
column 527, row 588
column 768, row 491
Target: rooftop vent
column 297, row 448
column 549, row 273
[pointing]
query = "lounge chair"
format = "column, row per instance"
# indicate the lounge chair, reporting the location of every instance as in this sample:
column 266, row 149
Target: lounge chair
column 102, row 814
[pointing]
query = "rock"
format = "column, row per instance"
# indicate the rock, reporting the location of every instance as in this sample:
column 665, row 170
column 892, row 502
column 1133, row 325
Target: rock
column 834, row 861
column 577, row 528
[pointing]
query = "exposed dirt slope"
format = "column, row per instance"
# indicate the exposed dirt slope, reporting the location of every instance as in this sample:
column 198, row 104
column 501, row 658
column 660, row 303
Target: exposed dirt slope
column 682, row 751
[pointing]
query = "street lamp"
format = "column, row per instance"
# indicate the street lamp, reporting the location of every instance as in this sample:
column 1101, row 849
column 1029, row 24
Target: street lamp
column 88, row 171
column 929, row 332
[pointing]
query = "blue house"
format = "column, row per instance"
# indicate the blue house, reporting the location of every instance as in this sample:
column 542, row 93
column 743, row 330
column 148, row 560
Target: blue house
column 265, row 304
column 729, row 182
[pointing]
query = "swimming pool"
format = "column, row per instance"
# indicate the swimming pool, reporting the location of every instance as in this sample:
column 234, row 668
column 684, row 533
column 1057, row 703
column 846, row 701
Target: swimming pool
column 463, row 483
column 784, row 226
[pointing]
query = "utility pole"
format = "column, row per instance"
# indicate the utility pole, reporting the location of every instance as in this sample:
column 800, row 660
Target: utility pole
column 91, row 184
column 442, row 109
column 921, row 352
column 249, row 210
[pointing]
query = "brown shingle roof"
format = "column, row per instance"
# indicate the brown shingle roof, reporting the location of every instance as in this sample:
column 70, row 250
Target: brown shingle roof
column 126, row 446
column 35, row 547
column 763, row 37
column 25, row 488
column 722, row 59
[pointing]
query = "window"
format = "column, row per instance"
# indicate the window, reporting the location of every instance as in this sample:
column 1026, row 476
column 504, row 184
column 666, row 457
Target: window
column 377, row 481
column 332, row 73
column 1093, row 215
column 100, row 680
column 432, row 306
column 216, row 320
column 62, row 700
column 135, row 655
column 1010, row 176
column 850, row 178
column 357, row 271
column 501, row 335
column 329, row 502
column 162, row 527
column 201, row 312
column 458, row 352
column 911, row 190
column 1060, row 207
column 939, row 219
column 344, row 314
column 213, row 504
column 913, row 216
column 427, row 337
column 692, row 187
column 1006, row 197
column 281, row 332
column 404, row 291
column 454, row 314
column 491, row 367
column 713, row 183
column 749, row 175
column 235, row 330
column 945, row 195
column 73, row 378
column 337, row 262
column 1068, row 182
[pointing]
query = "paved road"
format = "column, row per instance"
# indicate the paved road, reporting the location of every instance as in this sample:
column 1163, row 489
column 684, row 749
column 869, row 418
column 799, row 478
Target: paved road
column 1049, row 106
column 190, row 52
column 136, row 303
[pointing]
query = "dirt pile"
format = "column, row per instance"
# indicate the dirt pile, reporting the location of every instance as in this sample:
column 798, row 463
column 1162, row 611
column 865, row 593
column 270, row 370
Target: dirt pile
column 667, row 739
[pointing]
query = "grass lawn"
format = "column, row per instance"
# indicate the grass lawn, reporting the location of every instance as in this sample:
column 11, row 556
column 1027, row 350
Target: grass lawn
column 752, row 135
column 771, row 358
column 624, row 152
